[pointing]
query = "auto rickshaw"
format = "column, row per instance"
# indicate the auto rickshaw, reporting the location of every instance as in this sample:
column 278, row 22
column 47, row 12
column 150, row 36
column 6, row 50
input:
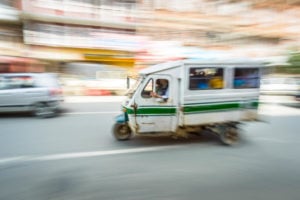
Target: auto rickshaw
column 216, row 96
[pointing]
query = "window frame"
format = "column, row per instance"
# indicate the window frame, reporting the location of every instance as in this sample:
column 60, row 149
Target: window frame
column 143, row 90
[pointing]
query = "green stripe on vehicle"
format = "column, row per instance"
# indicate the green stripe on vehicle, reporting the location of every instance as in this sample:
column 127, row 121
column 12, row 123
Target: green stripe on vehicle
column 153, row 111
column 210, row 107
column 255, row 104
column 194, row 108
column 219, row 106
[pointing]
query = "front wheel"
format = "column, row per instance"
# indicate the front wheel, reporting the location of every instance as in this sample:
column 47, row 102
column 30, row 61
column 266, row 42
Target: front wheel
column 122, row 131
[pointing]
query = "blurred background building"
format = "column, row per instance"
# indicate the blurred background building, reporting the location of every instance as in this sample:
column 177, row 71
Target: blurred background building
column 127, row 35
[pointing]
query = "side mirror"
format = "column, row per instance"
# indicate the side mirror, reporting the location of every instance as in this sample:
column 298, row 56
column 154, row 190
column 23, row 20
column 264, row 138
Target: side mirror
column 127, row 82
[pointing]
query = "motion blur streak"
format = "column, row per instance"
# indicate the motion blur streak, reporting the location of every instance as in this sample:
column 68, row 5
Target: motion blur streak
column 4, row 161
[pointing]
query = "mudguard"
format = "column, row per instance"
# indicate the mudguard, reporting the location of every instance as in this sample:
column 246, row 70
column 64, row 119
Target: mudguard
column 122, row 118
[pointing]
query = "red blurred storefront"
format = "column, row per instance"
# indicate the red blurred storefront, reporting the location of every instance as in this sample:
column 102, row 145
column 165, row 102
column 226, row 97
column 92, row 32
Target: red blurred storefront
column 10, row 64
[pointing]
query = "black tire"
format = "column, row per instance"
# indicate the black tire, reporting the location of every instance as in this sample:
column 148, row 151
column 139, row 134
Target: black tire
column 229, row 135
column 122, row 131
column 44, row 110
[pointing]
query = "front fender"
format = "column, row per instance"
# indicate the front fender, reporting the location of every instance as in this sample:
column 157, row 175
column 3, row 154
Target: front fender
column 122, row 118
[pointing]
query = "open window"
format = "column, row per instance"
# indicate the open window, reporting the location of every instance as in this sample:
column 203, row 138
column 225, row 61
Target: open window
column 246, row 78
column 162, row 88
column 206, row 78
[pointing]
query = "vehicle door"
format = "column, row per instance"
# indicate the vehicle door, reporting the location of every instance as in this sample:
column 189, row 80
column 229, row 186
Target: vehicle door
column 8, row 94
column 156, row 113
column 13, row 93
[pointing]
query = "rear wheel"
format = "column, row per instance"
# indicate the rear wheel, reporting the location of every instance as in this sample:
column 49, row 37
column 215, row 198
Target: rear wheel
column 229, row 135
column 44, row 110
column 121, row 131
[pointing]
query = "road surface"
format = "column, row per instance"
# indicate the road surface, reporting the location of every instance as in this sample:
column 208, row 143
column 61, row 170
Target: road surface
column 74, row 156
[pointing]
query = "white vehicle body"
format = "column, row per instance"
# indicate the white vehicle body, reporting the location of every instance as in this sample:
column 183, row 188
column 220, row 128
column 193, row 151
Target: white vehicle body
column 189, row 106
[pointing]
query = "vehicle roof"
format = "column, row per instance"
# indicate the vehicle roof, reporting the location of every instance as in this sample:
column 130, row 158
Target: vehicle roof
column 161, row 67
column 175, row 64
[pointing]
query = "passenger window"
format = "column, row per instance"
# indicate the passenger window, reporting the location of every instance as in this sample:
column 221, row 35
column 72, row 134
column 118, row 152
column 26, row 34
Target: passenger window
column 206, row 78
column 246, row 78
column 13, row 83
column 21, row 82
column 3, row 84
column 27, row 82
column 146, row 93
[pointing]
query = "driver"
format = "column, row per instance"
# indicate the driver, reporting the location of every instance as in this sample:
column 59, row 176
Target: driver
column 162, row 89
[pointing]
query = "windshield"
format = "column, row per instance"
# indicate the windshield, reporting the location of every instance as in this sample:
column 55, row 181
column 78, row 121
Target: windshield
column 134, row 87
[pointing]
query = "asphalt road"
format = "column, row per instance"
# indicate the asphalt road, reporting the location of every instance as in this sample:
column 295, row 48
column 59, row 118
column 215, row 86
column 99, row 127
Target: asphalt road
column 74, row 156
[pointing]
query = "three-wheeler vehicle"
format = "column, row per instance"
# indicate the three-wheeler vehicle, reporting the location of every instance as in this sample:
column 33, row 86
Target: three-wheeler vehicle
column 189, row 96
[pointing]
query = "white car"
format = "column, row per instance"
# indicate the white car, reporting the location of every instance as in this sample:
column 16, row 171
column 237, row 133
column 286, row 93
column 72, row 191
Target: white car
column 39, row 93
column 279, row 86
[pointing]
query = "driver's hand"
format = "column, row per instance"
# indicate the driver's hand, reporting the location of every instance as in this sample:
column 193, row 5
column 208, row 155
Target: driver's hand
column 153, row 94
